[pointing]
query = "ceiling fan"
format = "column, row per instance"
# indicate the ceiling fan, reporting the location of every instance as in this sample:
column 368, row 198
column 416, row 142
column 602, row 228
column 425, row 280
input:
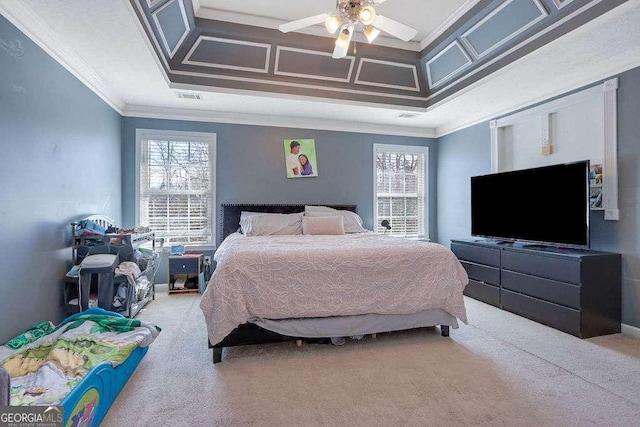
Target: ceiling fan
column 348, row 15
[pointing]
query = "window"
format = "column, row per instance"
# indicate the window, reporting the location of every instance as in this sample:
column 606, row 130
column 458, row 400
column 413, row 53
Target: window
column 176, row 185
column 400, row 174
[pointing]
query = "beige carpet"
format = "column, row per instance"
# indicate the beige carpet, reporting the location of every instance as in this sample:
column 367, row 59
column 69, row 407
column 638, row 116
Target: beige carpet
column 501, row 369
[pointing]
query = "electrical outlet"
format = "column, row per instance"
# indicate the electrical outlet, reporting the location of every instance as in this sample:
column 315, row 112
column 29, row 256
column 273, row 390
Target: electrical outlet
column 207, row 260
column 547, row 150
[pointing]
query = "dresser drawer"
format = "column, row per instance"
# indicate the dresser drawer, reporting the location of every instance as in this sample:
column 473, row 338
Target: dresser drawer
column 483, row 292
column 550, row 267
column 184, row 265
column 489, row 256
column 550, row 314
column 482, row 273
column 550, row 290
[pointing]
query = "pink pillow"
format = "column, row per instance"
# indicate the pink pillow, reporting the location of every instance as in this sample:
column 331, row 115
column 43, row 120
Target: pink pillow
column 322, row 225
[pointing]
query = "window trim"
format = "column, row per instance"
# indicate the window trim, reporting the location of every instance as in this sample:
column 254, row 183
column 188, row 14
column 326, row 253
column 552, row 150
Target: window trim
column 211, row 138
column 408, row 149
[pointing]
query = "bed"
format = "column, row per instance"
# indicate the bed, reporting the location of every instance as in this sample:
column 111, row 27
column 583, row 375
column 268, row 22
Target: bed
column 296, row 287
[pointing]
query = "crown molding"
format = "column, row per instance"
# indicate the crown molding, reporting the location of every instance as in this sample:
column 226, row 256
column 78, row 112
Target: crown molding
column 274, row 121
column 455, row 127
column 23, row 17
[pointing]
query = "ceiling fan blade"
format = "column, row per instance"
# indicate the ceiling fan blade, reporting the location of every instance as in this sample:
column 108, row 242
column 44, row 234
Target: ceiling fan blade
column 302, row 23
column 401, row 31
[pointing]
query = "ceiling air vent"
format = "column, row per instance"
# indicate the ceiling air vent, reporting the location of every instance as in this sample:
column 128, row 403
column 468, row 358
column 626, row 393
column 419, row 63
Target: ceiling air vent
column 408, row 115
column 187, row 95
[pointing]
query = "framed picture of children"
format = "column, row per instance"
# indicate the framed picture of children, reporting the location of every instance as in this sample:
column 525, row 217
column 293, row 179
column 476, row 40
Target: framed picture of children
column 300, row 158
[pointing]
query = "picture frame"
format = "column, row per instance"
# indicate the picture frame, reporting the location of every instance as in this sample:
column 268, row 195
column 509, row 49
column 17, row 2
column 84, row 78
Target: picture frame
column 300, row 158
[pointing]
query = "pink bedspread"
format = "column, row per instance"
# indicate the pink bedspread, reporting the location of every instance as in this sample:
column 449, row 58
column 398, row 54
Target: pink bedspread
column 279, row 277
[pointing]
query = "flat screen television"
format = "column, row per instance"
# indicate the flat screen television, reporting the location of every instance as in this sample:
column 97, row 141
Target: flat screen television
column 546, row 205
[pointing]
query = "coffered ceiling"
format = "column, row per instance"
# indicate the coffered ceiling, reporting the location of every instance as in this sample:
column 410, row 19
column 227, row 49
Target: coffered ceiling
column 470, row 61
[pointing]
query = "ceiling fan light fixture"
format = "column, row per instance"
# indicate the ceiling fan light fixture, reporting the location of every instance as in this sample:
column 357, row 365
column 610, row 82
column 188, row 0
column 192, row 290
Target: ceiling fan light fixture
column 332, row 23
column 367, row 15
column 344, row 38
column 371, row 33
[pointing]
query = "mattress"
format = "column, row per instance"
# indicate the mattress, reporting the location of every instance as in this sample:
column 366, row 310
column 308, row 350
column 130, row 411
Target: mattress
column 303, row 276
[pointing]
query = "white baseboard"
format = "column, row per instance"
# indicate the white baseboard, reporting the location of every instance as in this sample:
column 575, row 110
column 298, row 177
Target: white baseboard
column 632, row 331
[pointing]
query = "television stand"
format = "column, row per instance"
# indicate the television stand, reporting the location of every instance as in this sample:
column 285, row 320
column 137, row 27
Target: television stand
column 577, row 291
column 494, row 241
column 538, row 247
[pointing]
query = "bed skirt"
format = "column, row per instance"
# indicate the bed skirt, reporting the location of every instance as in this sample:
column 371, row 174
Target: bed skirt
column 347, row 326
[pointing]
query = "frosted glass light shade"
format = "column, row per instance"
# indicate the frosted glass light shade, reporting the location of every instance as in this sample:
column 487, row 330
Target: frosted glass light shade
column 344, row 39
column 367, row 15
column 371, row 33
column 332, row 23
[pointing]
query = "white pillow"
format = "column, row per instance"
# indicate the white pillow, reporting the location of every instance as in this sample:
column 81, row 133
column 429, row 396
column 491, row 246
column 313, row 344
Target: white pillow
column 271, row 224
column 322, row 225
column 351, row 220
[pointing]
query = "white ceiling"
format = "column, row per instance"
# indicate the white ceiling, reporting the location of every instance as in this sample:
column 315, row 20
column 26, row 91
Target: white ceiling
column 103, row 44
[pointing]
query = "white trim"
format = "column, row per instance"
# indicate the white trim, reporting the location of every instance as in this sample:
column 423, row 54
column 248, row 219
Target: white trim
column 440, row 132
column 276, row 121
column 454, row 72
column 185, row 20
column 152, row 3
column 444, row 26
column 267, row 48
column 552, row 106
column 513, row 49
column 276, row 71
column 408, row 149
column 314, row 30
column 604, row 93
column 151, row 39
column 415, row 87
column 495, row 140
column 25, row 19
column 298, row 85
column 561, row 3
column 465, row 40
column 631, row 331
column 204, row 137
column 610, row 167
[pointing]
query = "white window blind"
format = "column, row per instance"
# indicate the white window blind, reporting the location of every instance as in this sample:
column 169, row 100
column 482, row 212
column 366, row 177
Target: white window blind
column 401, row 189
column 177, row 187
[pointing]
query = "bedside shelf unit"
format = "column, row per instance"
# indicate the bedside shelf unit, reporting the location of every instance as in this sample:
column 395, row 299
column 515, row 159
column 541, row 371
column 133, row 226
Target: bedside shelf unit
column 572, row 290
column 138, row 295
column 186, row 269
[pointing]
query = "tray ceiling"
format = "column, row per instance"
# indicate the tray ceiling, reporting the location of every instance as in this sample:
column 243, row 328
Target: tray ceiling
column 108, row 47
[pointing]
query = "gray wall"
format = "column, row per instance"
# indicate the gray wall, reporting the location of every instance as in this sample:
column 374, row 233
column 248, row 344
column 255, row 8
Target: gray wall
column 461, row 155
column 60, row 160
column 250, row 166
column 468, row 152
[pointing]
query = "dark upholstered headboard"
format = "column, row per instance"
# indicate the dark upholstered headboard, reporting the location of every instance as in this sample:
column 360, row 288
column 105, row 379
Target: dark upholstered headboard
column 230, row 213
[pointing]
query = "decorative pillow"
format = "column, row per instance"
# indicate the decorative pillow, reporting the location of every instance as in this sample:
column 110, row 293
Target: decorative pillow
column 322, row 225
column 351, row 220
column 271, row 224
